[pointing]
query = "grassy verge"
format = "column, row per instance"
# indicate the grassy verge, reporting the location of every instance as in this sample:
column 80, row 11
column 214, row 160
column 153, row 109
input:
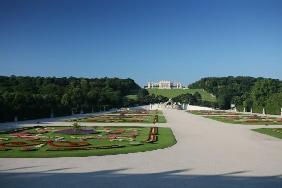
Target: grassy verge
column 275, row 132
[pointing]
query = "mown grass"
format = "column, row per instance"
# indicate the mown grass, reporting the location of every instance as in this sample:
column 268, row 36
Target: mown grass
column 275, row 132
column 170, row 93
column 165, row 139
column 132, row 97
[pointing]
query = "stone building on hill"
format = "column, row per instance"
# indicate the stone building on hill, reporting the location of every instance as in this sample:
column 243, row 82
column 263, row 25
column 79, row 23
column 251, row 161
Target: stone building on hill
column 164, row 84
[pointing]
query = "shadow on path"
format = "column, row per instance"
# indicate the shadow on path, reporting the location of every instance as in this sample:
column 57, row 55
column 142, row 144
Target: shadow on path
column 116, row 179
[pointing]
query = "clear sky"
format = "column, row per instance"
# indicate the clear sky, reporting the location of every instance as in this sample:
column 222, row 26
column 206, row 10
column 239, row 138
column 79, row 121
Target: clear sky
column 141, row 39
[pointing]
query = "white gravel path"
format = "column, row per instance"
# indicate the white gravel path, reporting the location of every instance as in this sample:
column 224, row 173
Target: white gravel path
column 207, row 154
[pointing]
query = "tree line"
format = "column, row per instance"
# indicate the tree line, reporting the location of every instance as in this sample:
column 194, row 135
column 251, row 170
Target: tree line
column 38, row 97
column 187, row 98
column 244, row 92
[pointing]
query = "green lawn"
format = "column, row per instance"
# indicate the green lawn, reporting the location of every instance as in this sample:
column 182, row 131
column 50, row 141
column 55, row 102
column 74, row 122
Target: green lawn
column 165, row 139
column 275, row 132
column 132, row 97
column 170, row 93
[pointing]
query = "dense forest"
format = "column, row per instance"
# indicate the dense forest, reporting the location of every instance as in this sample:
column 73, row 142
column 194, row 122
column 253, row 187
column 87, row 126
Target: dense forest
column 251, row 93
column 37, row 97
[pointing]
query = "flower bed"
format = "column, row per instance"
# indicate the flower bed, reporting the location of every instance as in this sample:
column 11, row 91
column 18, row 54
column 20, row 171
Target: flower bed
column 109, row 146
column 108, row 140
column 67, row 144
column 29, row 148
column 117, row 131
column 17, row 144
column 76, row 131
column 66, row 148
column 2, row 148
column 128, row 116
column 211, row 112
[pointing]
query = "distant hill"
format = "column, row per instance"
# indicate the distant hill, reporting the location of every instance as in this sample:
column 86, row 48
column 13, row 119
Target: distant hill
column 170, row 93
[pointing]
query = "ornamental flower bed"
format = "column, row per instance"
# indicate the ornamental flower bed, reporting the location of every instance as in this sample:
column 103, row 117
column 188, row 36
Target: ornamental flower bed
column 22, row 135
column 67, row 144
column 117, row 131
column 232, row 117
column 115, row 119
column 132, row 116
column 76, row 131
column 66, row 148
column 109, row 146
column 240, row 118
column 32, row 144
column 141, row 111
column 17, row 144
column 29, row 148
column 210, row 112
column 2, row 148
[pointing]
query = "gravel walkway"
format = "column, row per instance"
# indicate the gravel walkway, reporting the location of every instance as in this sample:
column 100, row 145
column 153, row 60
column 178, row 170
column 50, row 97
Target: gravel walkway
column 207, row 154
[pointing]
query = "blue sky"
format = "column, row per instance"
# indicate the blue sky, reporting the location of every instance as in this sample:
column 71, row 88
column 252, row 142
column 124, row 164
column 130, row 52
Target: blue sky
column 141, row 39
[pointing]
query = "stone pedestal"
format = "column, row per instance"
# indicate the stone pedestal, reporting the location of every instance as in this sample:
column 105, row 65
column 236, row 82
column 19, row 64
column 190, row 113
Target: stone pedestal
column 244, row 109
column 251, row 111
column 263, row 111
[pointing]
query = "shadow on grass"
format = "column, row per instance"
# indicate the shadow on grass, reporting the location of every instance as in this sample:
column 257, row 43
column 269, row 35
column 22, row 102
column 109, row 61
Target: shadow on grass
column 116, row 178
